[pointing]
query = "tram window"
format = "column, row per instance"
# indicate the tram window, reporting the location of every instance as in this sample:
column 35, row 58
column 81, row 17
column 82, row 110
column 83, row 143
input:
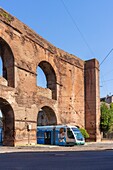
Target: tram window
column 70, row 134
column 40, row 134
column 47, row 135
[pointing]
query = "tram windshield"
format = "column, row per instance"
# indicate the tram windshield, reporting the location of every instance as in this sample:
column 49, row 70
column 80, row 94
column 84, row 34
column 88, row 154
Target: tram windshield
column 78, row 134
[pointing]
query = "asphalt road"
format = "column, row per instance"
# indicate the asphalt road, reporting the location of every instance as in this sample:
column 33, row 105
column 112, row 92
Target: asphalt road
column 77, row 160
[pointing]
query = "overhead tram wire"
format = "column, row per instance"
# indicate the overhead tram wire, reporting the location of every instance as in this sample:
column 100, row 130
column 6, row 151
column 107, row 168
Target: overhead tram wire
column 82, row 36
column 106, row 57
column 76, row 26
column 108, row 80
column 103, row 82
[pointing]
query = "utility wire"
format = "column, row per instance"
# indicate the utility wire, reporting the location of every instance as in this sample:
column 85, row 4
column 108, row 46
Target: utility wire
column 82, row 36
column 108, row 80
column 106, row 57
column 76, row 26
column 103, row 82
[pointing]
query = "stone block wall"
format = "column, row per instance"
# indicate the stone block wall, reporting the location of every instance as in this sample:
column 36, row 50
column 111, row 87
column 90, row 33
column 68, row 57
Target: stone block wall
column 92, row 99
column 69, row 93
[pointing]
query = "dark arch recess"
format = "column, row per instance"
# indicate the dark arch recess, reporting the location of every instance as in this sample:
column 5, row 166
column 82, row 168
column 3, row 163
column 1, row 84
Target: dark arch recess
column 46, row 116
column 8, row 123
column 8, row 62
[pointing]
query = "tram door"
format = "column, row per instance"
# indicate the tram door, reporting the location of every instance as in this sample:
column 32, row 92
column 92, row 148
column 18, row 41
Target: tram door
column 1, row 136
column 48, row 137
column 54, row 138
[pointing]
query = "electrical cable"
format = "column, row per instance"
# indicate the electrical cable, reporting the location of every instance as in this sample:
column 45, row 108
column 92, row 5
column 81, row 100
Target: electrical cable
column 76, row 26
column 106, row 57
column 82, row 36
column 103, row 82
column 108, row 80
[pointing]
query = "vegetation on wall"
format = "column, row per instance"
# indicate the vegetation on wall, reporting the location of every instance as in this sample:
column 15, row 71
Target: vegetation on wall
column 6, row 16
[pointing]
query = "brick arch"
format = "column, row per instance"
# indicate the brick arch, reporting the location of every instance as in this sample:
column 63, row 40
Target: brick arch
column 50, row 77
column 7, row 57
column 46, row 116
column 8, row 122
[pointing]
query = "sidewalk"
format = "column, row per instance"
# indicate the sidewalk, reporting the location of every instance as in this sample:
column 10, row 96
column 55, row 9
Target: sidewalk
column 92, row 146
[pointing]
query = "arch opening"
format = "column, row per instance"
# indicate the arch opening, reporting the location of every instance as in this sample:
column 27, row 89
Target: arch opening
column 46, row 116
column 41, row 78
column 1, row 66
column 7, row 62
column 6, row 123
column 1, row 128
column 50, row 77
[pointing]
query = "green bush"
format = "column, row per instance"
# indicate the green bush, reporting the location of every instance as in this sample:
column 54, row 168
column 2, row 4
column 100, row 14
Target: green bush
column 84, row 133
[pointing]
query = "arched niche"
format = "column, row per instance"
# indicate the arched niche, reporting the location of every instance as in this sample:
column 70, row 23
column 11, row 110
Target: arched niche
column 41, row 78
column 50, row 77
column 46, row 116
column 1, row 65
column 7, row 58
column 7, row 123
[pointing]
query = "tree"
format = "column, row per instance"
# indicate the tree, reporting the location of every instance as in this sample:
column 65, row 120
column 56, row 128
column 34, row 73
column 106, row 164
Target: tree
column 111, row 106
column 111, row 114
column 106, row 118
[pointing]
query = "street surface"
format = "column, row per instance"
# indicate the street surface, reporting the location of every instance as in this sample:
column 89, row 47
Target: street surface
column 42, row 148
column 73, row 160
column 91, row 156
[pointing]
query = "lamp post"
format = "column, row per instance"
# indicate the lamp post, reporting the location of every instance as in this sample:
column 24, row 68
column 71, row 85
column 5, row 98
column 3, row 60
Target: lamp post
column 28, row 129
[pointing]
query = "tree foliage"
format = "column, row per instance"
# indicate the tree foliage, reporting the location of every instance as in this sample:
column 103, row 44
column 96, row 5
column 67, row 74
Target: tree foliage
column 106, row 119
column 84, row 133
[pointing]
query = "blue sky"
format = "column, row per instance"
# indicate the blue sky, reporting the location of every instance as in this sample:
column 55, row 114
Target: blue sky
column 93, row 18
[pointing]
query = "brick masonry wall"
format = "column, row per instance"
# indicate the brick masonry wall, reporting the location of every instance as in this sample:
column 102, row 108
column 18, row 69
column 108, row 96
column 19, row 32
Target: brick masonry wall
column 65, row 96
column 92, row 99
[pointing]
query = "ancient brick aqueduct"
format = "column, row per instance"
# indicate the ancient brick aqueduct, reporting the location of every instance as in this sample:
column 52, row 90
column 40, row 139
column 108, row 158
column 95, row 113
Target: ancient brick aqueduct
column 72, row 93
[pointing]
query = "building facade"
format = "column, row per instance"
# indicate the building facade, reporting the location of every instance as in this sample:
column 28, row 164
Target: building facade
column 71, row 96
column 108, row 99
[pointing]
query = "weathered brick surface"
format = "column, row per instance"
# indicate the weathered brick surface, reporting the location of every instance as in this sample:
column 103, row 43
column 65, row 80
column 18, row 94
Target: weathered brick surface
column 69, row 87
column 92, row 99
